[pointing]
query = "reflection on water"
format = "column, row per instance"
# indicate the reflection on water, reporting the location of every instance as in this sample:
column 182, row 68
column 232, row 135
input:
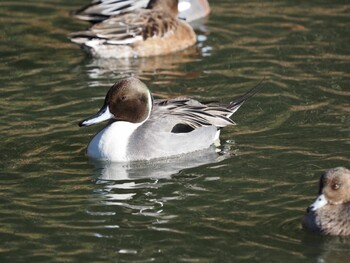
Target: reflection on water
column 335, row 250
column 145, row 67
column 120, row 180
column 327, row 249
column 161, row 168
column 243, row 204
column 170, row 66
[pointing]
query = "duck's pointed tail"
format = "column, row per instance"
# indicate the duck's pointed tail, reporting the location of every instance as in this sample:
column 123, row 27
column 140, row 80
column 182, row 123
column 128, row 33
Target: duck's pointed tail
column 238, row 102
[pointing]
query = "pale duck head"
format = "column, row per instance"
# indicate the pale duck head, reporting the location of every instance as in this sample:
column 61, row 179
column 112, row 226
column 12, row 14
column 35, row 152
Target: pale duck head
column 128, row 100
column 334, row 188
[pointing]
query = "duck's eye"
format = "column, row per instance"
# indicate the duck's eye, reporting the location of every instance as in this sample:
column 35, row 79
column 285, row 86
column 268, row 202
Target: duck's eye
column 335, row 186
column 124, row 98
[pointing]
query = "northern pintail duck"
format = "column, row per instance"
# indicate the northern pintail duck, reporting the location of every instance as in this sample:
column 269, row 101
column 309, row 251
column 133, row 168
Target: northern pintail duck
column 153, row 31
column 99, row 10
column 141, row 128
column 330, row 213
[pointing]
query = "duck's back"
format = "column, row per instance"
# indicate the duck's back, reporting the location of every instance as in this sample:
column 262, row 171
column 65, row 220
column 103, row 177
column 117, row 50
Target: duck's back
column 163, row 138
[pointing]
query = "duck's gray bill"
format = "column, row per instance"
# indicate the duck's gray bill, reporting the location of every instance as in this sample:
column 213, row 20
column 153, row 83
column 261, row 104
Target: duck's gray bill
column 102, row 115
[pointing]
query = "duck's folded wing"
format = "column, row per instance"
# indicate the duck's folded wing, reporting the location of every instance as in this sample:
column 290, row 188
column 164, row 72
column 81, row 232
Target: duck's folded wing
column 129, row 28
column 186, row 115
column 99, row 10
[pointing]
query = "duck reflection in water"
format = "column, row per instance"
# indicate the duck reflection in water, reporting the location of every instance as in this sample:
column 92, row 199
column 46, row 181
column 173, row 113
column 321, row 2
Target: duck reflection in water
column 164, row 168
column 170, row 65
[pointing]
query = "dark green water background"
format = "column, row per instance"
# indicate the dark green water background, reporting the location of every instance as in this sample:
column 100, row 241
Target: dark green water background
column 244, row 205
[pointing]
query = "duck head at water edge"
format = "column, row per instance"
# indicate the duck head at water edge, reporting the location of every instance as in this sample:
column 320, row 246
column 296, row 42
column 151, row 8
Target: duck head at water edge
column 330, row 213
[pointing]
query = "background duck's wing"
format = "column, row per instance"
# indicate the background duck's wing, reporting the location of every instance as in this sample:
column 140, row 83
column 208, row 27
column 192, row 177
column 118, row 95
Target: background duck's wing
column 129, row 28
column 99, row 10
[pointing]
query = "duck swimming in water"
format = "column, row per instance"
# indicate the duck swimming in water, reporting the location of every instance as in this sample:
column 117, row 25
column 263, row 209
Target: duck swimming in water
column 330, row 213
column 151, row 31
column 141, row 128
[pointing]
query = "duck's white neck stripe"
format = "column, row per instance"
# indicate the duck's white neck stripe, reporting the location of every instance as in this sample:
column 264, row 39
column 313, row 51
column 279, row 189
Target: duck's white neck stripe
column 149, row 104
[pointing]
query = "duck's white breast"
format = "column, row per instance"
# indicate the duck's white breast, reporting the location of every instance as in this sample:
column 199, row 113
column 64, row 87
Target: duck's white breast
column 111, row 143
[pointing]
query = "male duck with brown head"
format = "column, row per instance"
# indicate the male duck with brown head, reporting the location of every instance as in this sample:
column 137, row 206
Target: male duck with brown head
column 141, row 128
column 153, row 31
column 330, row 213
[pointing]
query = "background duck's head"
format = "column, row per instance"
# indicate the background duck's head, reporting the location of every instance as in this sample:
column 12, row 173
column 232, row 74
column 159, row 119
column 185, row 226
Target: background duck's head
column 127, row 100
column 334, row 188
column 335, row 185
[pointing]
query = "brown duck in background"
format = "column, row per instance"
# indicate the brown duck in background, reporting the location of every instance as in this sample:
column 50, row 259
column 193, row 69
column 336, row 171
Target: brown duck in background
column 153, row 31
column 330, row 213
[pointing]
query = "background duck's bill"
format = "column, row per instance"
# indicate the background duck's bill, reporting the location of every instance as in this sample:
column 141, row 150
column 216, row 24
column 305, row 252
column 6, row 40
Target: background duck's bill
column 321, row 201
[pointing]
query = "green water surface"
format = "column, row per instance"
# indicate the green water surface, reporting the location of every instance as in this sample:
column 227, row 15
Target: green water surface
column 242, row 205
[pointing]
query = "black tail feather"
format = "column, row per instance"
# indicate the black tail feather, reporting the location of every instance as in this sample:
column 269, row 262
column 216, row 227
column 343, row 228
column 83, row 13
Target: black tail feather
column 241, row 99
